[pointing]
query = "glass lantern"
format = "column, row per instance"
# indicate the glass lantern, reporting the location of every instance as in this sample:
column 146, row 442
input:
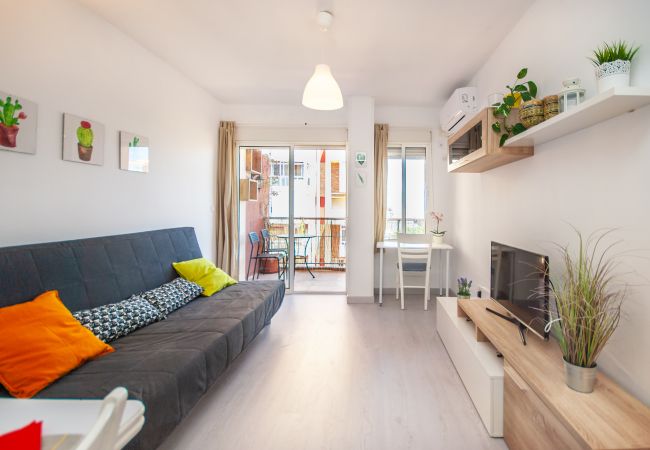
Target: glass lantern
column 571, row 94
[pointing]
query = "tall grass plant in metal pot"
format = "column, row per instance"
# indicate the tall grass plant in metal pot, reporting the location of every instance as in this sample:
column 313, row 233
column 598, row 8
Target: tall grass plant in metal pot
column 588, row 306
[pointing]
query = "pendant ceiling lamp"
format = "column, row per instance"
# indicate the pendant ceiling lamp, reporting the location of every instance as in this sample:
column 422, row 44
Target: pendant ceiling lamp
column 322, row 92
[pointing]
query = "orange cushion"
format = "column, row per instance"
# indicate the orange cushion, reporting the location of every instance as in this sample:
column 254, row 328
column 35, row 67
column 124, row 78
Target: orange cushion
column 40, row 342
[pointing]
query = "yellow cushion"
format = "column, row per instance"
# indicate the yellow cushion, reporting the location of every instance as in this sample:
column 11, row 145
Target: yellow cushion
column 204, row 273
column 42, row 341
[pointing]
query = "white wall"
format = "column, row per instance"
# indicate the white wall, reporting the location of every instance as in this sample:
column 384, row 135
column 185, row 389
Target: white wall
column 290, row 115
column 595, row 178
column 282, row 115
column 361, row 199
column 66, row 59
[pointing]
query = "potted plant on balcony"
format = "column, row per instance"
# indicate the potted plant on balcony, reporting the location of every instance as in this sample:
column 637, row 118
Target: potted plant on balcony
column 438, row 236
column 463, row 289
column 613, row 62
column 588, row 308
column 10, row 117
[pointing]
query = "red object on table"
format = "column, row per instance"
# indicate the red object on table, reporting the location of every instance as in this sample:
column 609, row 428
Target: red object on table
column 26, row 438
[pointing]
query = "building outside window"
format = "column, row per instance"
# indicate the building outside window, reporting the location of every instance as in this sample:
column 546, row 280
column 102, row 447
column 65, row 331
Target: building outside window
column 280, row 172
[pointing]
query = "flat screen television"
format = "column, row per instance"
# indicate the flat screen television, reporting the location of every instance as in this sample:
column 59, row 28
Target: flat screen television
column 519, row 282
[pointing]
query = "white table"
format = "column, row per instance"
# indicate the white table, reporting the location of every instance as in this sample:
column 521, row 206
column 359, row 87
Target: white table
column 392, row 245
column 73, row 418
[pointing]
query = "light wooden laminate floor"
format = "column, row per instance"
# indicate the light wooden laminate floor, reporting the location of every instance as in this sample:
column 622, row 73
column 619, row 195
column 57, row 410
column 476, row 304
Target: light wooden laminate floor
column 328, row 375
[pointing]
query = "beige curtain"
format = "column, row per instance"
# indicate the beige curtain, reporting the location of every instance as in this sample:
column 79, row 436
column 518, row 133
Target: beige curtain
column 227, row 198
column 381, row 155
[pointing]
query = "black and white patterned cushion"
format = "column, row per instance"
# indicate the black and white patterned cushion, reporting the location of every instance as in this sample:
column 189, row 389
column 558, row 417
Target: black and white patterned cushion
column 171, row 296
column 109, row 322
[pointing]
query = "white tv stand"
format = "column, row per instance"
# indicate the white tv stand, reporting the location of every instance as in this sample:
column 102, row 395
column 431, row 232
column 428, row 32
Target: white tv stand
column 477, row 364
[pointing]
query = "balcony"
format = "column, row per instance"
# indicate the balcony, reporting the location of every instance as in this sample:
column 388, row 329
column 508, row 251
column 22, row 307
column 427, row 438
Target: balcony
column 319, row 241
column 320, row 252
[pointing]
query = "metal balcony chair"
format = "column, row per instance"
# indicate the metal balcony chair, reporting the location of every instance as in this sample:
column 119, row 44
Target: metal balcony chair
column 267, row 246
column 413, row 255
column 258, row 254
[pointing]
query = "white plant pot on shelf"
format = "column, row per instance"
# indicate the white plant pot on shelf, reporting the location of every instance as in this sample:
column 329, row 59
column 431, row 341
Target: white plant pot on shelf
column 438, row 238
column 613, row 74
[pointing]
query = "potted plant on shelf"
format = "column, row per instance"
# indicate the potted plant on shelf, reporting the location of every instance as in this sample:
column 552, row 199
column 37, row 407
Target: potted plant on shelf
column 613, row 62
column 463, row 288
column 588, row 308
column 438, row 236
column 520, row 90
column 9, row 121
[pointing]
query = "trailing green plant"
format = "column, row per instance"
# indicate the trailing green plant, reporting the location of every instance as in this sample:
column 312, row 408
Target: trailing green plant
column 10, row 114
column 85, row 134
column 613, row 51
column 588, row 304
column 527, row 90
column 464, row 286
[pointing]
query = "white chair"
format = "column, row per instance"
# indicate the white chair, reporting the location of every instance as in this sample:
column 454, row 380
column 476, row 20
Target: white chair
column 104, row 433
column 413, row 255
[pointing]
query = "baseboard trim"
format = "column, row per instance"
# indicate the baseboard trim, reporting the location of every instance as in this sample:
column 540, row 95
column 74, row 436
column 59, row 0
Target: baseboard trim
column 360, row 299
column 435, row 292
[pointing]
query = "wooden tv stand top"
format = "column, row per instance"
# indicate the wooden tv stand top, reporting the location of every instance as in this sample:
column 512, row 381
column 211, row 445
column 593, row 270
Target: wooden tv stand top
column 608, row 418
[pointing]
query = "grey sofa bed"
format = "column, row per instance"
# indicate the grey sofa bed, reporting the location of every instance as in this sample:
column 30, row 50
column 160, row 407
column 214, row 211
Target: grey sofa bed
column 168, row 365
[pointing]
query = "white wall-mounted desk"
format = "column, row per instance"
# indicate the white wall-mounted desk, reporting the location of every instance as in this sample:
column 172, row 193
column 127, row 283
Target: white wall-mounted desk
column 392, row 245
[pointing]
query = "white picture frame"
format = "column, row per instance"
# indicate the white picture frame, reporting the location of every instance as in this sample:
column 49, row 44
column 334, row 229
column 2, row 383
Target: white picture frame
column 83, row 140
column 18, row 124
column 360, row 177
column 134, row 152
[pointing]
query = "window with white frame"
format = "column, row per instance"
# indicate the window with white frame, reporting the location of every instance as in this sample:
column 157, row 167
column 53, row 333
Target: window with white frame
column 405, row 190
column 280, row 172
column 299, row 170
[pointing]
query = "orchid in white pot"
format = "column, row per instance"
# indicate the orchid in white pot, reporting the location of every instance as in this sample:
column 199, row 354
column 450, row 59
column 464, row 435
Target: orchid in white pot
column 438, row 236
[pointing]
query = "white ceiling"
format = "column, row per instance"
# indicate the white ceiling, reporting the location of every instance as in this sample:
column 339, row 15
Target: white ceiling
column 402, row 52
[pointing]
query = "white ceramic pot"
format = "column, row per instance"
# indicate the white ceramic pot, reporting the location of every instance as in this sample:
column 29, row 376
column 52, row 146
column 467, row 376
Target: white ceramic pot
column 438, row 238
column 613, row 74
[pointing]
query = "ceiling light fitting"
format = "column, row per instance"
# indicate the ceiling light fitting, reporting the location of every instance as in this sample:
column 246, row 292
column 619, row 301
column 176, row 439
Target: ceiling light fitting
column 322, row 92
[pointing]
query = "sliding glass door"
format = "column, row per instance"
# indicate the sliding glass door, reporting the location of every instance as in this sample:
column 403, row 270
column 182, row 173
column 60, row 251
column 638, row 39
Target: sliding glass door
column 293, row 199
column 319, row 212
column 264, row 231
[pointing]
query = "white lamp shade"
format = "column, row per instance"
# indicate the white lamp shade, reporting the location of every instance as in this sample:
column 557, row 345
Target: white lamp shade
column 322, row 91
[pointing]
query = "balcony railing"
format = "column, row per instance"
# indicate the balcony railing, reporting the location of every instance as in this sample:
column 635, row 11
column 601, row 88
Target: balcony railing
column 394, row 226
column 319, row 241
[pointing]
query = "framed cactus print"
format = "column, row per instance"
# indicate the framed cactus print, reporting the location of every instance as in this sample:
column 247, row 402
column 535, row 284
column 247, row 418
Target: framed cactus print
column 18, row 119
column 134, row 152
column 83, row 140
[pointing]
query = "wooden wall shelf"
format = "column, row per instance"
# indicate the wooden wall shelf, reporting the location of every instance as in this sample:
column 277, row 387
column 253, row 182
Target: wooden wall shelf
column 248, row 190
column 611, row 103
column 253, row 161
column 540, row 411
column 475, row 147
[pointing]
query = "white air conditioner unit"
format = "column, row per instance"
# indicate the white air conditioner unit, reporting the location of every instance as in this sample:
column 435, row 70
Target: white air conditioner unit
column 460, row 107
